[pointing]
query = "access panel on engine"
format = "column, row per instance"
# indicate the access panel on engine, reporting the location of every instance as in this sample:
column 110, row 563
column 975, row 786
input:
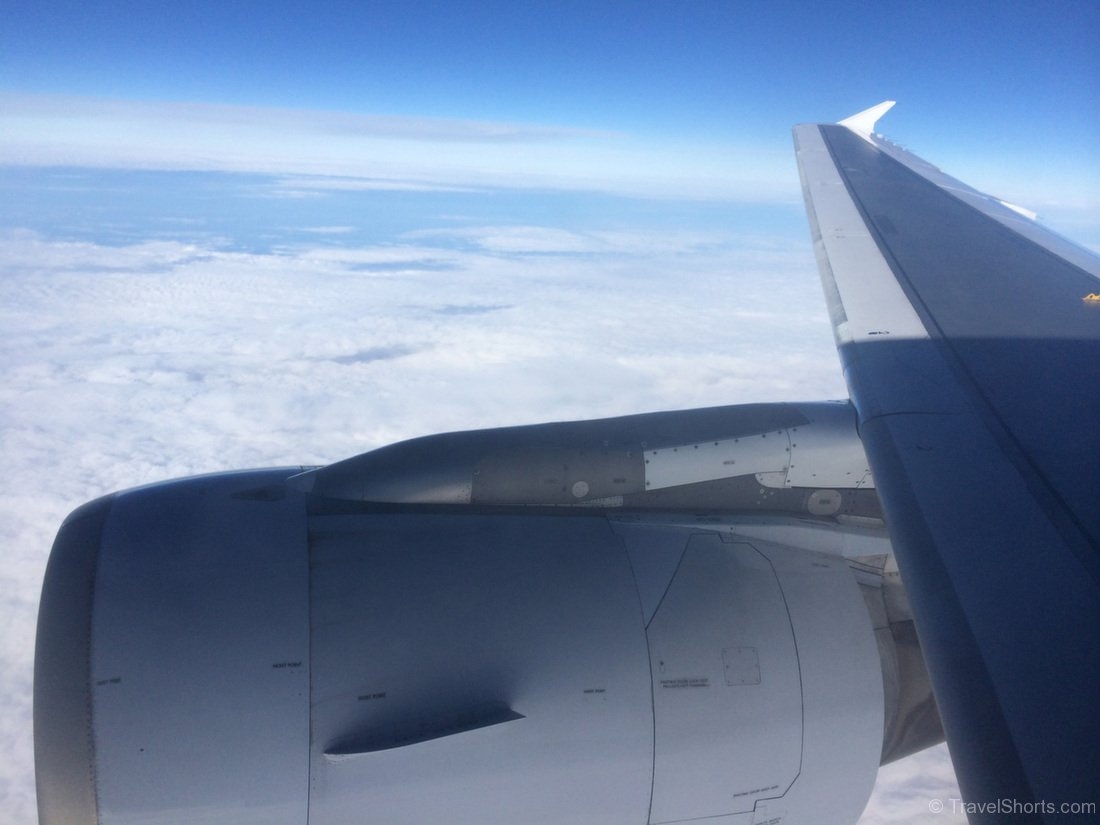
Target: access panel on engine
column 726, row 691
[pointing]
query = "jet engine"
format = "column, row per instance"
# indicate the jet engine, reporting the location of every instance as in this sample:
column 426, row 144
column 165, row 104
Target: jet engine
column 650, row 619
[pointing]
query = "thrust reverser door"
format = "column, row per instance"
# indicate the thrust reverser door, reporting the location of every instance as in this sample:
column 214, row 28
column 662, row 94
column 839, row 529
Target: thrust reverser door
column 726, row 689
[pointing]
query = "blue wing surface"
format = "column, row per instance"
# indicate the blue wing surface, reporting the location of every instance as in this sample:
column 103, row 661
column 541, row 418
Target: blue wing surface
column 972, row 356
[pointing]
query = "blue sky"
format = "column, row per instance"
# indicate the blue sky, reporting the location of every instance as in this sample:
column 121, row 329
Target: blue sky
column 721, row 69
column 211, row 213
column 1005, row 87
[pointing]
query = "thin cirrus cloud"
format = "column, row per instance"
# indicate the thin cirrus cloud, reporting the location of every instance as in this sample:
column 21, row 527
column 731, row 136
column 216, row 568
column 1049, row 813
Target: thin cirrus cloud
column 332, row 150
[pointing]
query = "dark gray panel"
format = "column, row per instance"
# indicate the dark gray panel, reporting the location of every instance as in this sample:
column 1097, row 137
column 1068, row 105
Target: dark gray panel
column 912, row 718
column 548, row 464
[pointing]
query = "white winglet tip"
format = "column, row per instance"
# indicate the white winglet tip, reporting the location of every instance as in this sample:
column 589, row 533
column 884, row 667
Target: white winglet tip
column 1020, row 210
column 863, row 123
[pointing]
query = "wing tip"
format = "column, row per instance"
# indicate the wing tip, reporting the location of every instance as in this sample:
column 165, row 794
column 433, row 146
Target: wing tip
column 863, row 123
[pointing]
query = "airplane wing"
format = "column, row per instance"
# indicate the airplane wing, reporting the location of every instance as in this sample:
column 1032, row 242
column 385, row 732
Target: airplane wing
column 971, row 348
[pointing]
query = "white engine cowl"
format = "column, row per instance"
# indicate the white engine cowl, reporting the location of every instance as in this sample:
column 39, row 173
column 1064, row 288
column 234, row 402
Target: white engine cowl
column 630, row 620
column 226, row 649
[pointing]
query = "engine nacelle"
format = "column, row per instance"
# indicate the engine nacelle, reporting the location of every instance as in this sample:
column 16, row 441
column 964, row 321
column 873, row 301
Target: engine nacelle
column 231, row 649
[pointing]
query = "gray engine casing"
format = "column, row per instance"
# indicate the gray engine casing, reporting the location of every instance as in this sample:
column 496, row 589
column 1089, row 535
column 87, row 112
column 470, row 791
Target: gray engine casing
column 220, row 650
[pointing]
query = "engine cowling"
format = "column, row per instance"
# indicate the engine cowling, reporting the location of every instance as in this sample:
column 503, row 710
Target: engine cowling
column 232, row 649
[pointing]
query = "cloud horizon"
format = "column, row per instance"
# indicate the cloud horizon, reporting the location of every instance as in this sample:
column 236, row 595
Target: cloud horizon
column 381, row 150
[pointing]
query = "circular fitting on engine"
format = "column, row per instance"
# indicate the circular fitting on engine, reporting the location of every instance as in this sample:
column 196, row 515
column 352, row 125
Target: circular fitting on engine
column 824, row 503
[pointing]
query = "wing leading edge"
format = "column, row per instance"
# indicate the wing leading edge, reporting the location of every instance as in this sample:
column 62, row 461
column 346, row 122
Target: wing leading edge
column 974, row 365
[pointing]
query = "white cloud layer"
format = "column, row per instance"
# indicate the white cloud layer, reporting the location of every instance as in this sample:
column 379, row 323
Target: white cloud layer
column 121, row 365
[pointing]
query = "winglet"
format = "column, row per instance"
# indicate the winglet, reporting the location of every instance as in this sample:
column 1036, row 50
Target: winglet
column 863, row 123
column 1020, row 210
